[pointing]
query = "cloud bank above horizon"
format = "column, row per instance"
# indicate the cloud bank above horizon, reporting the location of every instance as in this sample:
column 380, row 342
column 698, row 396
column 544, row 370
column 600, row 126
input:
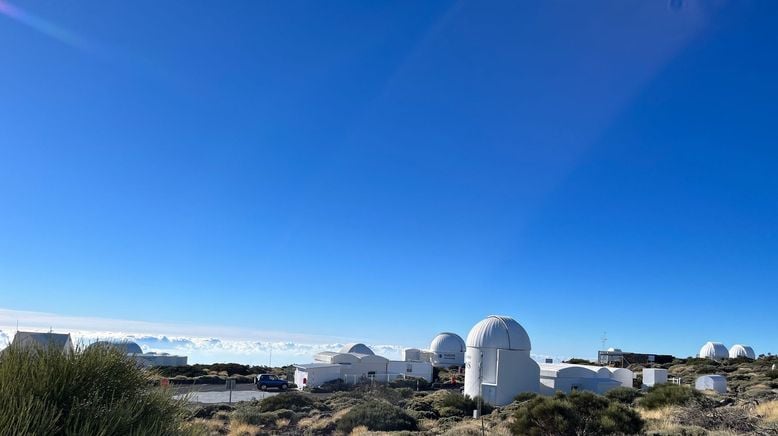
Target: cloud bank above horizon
column 202, row 344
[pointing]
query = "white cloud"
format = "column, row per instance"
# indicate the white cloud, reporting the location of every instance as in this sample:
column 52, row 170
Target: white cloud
column 203, row 344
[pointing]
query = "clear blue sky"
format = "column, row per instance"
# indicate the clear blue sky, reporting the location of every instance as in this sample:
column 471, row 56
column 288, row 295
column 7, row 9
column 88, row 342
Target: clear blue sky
column 387, row 170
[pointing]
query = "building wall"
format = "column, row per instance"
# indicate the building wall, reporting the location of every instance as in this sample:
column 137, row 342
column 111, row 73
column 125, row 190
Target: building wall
column 411, row 369
column 445, row 360
column 499, row 375
column 316, row 376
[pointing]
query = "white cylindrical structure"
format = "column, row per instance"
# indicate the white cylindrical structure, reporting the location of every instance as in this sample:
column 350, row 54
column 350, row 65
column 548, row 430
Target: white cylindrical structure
column 498, row 365
column 714, row 350
column 447, row 349
column 739, row 350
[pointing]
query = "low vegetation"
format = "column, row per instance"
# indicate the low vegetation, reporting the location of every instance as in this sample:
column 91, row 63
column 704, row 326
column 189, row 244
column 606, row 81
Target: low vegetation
column 575, row 414
column 91, row 391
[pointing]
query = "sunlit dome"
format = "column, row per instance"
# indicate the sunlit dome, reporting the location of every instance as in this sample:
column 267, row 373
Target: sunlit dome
column 357, row 348
column 714, row 350
column 499, row 332
column 739, row 350
column 447, row 343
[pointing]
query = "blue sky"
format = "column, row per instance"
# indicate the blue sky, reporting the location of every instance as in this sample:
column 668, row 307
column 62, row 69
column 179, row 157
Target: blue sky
column 382, row 171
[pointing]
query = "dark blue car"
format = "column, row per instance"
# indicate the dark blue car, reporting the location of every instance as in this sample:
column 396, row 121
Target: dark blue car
column 266, row 381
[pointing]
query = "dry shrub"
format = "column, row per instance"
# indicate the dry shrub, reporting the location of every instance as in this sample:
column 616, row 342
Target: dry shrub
column 241, row 429
column 282, row 423
column 360, row 431
column 768, row 411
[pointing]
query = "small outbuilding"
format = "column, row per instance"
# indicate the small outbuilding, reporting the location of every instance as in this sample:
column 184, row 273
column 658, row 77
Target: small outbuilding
column 739, row 350
column 713, row 382
column 714, row 350
column 654, row 376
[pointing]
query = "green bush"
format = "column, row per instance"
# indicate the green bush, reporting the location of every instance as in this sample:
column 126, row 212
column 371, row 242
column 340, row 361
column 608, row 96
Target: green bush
column 772, row 374
column 287, row 400
column 667, row 395
column 463, row 404
column 250, row 414
column 623, row 395
column 376, row 416
column 96, row 390
column 574, row 414
column 412, row 383
column 524, row 396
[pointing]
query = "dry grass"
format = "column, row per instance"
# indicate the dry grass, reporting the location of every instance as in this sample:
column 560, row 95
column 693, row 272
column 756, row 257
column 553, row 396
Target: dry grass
column 240, row 429
column 768, row 411
column 472, row 427
column 210, row 425
column 659, row 419
column 360, row 431
column 282, row 423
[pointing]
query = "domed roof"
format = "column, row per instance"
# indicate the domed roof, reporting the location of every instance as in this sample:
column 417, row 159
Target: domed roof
column 738, row 350
column 447, row 343
column 123, row 347
column 358, row 348
column 499, row 332
column 714, row 350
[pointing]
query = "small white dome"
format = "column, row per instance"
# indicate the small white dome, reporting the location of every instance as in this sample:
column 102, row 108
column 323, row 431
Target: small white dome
column 447, row 343
column 738, row 350
column 358, row 348
column 714, row 350
column 499, row 332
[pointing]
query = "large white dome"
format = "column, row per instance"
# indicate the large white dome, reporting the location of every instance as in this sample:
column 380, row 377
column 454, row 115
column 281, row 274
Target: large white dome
column 358, row 348
column 447, row 343
column 738, row 350
column 714, row 350
column 499, row 332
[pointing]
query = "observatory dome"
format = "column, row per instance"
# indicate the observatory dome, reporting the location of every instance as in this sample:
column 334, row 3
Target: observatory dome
column 499, row 332
column 447, row 343
column 738, row 350
column 122, row 347
column 714, row 350
column 358, row 348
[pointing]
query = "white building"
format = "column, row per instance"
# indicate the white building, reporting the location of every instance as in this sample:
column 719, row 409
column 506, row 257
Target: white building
column 739, row 350
column 654, row 376
column 133, row 350
column 717, row 383
column 714, row 350
column 446, row 350
column 355, row 363
column 57, row 341
column 566, row 378
column 498, row 365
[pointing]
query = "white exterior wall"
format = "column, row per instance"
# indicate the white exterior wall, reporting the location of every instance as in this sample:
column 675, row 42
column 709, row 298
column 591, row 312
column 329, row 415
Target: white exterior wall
column 623, row 376
column 500, row 375
column 446, row 359
column 316, row 376
column 717, row 383
column 411, row 369
column 654, row 376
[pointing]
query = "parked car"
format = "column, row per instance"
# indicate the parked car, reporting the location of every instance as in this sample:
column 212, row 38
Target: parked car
column 267, row 381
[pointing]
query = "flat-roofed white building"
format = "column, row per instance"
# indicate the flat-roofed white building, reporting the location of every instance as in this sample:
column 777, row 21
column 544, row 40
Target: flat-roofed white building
column 356, row 363
column 566, row 378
